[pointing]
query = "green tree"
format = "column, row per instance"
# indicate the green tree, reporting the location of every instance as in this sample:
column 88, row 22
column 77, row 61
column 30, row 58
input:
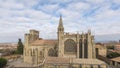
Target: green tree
column 113, row 55
column 3, row 62
column 20, row 47
column 110, row 47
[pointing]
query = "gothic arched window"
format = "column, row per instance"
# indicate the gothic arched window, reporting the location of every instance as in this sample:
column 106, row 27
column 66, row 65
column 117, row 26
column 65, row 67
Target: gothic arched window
column 31, row 52
column 80, row 48
column 36, row 51
column 85, row 48
column 41, row 54
column 51, row 52
column 70, row 46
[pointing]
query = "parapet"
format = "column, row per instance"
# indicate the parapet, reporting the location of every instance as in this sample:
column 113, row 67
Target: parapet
column 34, row 32
column 70, row 35
column 27, row 36
column 79, row 35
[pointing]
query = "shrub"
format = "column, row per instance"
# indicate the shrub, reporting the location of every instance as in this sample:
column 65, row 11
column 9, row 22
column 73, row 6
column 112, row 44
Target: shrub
column 113, row 55
column 3, row 62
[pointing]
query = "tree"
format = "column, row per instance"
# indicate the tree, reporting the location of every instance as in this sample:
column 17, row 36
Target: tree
column 20, row 47
column 113, row 55
column 110, row 47
column 3, row 62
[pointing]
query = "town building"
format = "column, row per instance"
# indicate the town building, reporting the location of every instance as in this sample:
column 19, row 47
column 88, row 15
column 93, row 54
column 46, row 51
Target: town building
column 115, row 62
column 101, row 49
column 117, row 48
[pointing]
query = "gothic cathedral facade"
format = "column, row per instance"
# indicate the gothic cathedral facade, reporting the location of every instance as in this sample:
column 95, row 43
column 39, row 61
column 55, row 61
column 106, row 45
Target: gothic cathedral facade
column 75, row 45
column 68, row 51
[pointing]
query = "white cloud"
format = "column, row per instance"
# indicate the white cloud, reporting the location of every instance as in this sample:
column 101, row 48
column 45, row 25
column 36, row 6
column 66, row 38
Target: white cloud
column 96, row 1
column 79, row 6
column 17, row 17
column 116, row 1
column 7, row 4
column 48, row 8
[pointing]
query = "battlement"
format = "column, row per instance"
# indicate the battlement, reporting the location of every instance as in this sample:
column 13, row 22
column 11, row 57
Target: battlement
column 70, row 33
column 34, row 32
column 82, row 35
column 27, row 34
column 31, row 36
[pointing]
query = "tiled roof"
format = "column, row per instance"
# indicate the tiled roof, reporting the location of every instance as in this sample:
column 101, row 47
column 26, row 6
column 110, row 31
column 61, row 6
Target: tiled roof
column 44, row 42
column 117, row 59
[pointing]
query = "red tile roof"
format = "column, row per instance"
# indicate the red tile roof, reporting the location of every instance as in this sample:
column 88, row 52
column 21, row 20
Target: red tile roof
column 117, row 59
column 44, row 42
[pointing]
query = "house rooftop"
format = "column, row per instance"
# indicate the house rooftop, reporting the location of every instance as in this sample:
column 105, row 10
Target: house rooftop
column 117, row 59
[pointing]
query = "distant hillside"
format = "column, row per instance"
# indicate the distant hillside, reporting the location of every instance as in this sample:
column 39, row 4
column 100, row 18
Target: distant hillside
column 107, row 37
column 98, row 38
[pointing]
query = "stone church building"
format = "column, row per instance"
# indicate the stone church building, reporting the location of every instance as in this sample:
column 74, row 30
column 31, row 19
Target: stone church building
column 68, row 51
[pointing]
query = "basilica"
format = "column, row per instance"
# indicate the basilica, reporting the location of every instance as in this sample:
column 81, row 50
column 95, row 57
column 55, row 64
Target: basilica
column 70, row 50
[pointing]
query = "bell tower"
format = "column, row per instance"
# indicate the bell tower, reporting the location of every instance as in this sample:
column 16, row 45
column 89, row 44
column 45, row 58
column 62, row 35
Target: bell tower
column 60, row 33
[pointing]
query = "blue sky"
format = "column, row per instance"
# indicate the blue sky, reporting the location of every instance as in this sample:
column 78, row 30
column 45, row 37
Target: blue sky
column 17, row 17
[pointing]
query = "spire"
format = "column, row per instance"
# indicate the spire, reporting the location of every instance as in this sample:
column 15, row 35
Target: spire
column 60, row 22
